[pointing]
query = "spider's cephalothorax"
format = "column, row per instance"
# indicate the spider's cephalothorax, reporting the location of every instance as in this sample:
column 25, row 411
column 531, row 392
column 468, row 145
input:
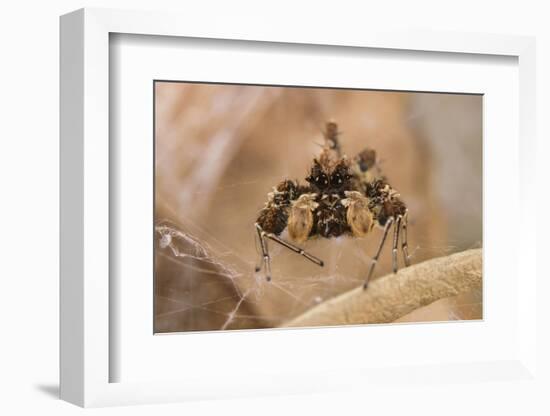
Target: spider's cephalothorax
column 341, row 198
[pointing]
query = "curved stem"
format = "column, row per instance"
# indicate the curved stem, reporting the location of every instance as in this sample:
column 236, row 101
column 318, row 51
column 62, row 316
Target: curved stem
column 395, row 295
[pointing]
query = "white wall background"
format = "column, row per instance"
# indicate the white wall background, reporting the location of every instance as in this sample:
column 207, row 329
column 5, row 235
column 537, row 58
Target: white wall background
column 29, row 208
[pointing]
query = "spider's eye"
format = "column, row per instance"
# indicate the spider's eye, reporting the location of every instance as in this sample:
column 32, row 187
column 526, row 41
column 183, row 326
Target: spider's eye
column 336, row 179
column 320, row 180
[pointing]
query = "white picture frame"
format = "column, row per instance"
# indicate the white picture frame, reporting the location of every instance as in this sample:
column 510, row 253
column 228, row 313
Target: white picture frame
column 87, row 356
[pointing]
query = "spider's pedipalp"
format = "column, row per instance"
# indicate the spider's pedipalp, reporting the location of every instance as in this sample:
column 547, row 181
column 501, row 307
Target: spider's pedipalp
column 358, row 215
column 300, row 218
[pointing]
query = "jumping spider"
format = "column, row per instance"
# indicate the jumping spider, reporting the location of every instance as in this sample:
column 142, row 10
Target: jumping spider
column 341, row 198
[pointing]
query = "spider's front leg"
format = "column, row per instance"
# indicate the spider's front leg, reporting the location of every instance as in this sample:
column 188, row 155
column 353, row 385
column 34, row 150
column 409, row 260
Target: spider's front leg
column 285, row 207
column 265, row 260
column 265, row 252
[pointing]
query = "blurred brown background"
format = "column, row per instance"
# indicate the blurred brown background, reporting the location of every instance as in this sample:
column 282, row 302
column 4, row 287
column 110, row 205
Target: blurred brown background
column 221, row 148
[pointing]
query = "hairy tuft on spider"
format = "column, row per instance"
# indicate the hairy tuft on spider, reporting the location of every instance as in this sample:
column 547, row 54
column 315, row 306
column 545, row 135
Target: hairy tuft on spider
column 341, row 198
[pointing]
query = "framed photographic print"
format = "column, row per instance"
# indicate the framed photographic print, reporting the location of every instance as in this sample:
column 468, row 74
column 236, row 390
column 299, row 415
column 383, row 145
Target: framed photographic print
column 231, row 224
column 266, row 213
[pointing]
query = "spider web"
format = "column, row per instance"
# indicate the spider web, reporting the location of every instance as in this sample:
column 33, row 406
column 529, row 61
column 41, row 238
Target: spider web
column 210, row 286
column 236, row 296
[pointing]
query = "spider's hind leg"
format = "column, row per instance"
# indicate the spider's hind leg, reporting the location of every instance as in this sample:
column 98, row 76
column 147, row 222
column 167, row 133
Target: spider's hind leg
column 396, row 231
column 377, row 255
column 404, row 244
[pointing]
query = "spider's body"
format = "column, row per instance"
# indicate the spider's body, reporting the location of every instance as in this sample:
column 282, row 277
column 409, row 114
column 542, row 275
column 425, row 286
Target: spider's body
column 340, row 198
